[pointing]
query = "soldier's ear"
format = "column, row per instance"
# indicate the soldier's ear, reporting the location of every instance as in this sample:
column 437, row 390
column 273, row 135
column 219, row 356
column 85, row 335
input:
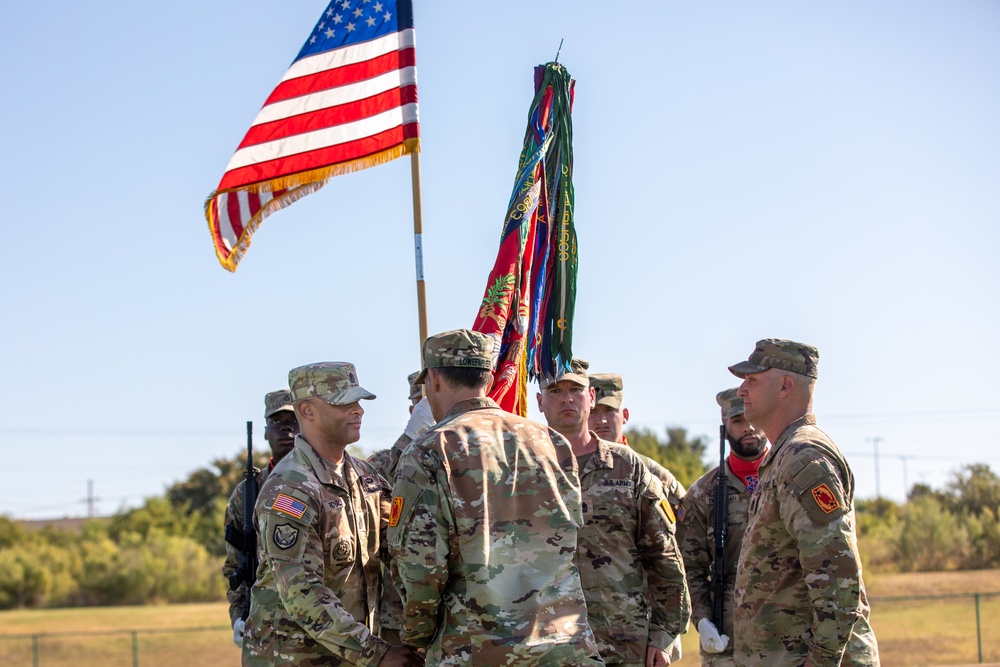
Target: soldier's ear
column 305, row 410
column 624, row 416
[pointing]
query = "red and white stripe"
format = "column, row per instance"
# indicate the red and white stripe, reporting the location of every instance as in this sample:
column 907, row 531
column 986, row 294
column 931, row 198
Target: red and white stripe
column 331, row 108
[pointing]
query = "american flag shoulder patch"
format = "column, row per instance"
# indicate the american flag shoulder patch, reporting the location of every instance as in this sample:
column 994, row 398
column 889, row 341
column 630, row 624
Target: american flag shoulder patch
column 288, row 505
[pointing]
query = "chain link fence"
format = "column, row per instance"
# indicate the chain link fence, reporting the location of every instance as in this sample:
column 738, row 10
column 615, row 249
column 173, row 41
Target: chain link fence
column 174, row 647
column 924, row 630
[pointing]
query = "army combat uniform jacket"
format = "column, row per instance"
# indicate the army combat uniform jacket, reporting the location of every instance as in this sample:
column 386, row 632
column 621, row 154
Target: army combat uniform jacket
column 629, row 561
column 799, row 592
column 485, row 512
column 672, row 489
column 390, row 612
column 234, row 517
column 696, row 533
column 321, row 544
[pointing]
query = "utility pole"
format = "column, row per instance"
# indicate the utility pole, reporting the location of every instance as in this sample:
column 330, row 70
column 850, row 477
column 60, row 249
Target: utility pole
column 91, row 500
column 906, row 476
column 878, row 477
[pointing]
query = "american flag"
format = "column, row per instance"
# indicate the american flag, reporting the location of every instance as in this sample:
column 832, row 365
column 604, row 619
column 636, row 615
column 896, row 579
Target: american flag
column 289, row 506
column 348, row 102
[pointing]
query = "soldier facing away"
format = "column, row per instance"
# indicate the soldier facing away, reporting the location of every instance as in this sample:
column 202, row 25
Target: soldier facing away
column 485, row 512
column 627, row 553
column 280, row 432
column 321, row 518
column 800, row 598
column 696, row 529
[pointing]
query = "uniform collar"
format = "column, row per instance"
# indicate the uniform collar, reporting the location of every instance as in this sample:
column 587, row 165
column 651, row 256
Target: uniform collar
column 478, row 403
column 808, row 419
column 602, row 455
column 323, row 470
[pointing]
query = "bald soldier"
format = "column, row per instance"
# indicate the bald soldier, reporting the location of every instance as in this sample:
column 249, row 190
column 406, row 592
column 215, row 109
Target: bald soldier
column 630, row 564
column 696, row 529
column 608, row 419
column 800, row 598
column 321, row 517
column 280, row 431
column 485, row 511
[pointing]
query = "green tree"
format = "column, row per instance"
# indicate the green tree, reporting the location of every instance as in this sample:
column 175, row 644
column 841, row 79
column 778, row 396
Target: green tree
column 679, row 454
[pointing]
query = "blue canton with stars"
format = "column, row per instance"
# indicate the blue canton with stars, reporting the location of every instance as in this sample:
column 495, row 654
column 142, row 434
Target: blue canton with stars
column 347, row 22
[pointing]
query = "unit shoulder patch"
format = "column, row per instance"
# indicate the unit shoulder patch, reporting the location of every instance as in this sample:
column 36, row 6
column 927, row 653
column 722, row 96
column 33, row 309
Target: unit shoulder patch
column 285, row 535
column 825, row 498
column 395, row 511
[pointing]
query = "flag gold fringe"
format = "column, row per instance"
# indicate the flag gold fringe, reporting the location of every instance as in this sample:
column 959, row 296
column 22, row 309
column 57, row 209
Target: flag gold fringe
column 298, row 186
column 522, row 385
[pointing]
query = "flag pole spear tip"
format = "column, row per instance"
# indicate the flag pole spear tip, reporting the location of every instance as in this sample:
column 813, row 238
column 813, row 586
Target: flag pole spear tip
column 558, row 51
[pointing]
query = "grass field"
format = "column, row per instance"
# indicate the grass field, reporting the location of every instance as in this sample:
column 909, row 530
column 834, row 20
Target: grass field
column 916, row 632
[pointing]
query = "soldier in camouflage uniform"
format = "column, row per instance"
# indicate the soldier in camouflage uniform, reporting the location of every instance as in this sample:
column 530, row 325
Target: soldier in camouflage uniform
column 282, row 427
column 608, row 419
column 800, row 598
column 321, row 518
column 485, row 512
column 696, row 529
column 627, row 553
column 384, row 461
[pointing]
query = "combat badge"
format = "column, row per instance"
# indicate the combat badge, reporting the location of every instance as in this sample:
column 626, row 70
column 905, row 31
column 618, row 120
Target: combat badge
column 342, row 552
column 395, row 511
column 824, row 498
column 285, row 535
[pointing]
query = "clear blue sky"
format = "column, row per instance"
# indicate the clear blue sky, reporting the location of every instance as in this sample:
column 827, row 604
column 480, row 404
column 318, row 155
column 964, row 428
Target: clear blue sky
column 826, row 172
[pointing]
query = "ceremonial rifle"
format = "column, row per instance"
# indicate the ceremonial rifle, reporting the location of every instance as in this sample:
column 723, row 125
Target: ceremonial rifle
column 245, row 540
column 721, row 526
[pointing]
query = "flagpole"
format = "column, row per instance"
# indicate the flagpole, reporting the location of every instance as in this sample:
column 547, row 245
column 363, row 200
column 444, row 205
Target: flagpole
column 418, row 249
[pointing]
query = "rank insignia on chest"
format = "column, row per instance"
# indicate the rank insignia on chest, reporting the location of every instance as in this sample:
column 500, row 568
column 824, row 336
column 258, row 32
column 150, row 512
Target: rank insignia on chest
column 288, row 505
column 285, row 535
column 824, row 498
column 395, row 511
column 668, row 510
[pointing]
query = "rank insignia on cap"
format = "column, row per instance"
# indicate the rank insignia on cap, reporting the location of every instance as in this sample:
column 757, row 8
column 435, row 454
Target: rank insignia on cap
column 288, row 505
column 395, row 510
column 824, row 498
column 669, row 510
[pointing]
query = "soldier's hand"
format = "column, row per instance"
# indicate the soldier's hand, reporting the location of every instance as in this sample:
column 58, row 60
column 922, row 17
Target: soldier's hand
column 656, row 657
column 401, row 656
column 238, row 628
column 711, row 640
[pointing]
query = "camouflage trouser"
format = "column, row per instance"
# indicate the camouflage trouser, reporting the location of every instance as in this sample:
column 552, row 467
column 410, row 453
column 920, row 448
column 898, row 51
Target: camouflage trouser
column 709, row 660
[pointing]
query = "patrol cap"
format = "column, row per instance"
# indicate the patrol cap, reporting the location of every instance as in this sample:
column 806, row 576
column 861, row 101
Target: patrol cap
column 786, row 355
column 276, row 401
column 459, row 348
column 335, row 382
column 730, row 403
column 416, row 393
column 608, row 388
column 577, row 373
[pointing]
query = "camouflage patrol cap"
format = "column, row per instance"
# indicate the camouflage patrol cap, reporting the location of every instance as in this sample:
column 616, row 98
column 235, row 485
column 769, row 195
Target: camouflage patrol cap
column 577, row 373
column 276, row 401
column 608, row 388
column 336, row 382
column 786, row 355
column 460, row 348
column 416, row 393
column 730, row 403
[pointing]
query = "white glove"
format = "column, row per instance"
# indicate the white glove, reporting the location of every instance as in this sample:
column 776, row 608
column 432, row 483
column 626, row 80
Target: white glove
column 238, row 632
column 674, row 650
column 711, row 640
column 421, row 419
